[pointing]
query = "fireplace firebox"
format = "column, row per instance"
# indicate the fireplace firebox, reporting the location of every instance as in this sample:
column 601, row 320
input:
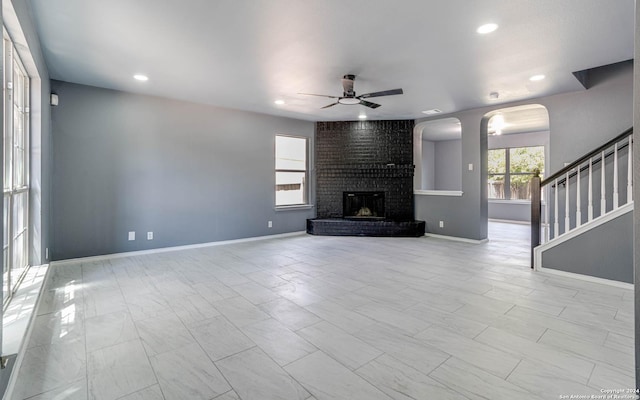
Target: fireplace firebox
column 363, row 205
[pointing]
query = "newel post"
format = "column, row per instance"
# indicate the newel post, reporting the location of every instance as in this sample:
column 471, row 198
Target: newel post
column 536, row 210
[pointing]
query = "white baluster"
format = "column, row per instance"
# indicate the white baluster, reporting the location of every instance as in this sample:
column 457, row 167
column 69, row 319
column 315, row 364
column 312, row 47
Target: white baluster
column 556, row 223
column 603, row 199
column 567, row 219
column 578, row 206
column 615, row 176
column 590, row 192
column 547, row 224
column 630, row 171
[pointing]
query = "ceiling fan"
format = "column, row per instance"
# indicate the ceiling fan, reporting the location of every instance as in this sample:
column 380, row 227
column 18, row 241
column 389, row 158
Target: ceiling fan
column 349, row 96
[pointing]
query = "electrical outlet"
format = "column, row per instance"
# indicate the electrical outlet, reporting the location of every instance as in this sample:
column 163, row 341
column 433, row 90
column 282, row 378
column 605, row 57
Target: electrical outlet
column 441, row 224
column 132, row 235
column 270, row 224
column 149, row 235
column 470, row 167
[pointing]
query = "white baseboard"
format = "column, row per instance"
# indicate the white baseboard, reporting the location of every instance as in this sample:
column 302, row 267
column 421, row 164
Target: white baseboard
column 510, row 221
column 456, row 238
column 587, row 278
column 174, row 248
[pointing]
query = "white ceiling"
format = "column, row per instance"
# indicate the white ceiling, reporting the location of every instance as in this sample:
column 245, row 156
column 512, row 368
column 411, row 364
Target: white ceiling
column 245, row 54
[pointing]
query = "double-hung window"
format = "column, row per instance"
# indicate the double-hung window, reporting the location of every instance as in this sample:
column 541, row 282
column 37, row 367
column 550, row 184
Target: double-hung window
column 15, row 170
column 292, row 172
column 510, row 171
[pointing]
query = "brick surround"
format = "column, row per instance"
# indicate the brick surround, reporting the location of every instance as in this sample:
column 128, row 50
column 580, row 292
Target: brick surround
column 365, row 156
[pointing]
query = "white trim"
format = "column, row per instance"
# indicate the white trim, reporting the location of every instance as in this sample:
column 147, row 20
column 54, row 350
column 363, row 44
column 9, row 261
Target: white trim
column 585, row 227
column 456, row 193
column 587, row 278
column 174, row 248
column 510, row 221
column 505, row 201
column 456, row 238
column 27, row 336
column 537, row 252
column 294, row 207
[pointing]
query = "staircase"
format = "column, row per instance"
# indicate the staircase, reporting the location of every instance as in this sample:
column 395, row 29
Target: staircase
column 581, row 216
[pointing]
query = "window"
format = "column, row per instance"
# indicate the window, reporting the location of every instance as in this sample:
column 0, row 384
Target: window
column 510, row 171
column 291, row 170
column 15, row 170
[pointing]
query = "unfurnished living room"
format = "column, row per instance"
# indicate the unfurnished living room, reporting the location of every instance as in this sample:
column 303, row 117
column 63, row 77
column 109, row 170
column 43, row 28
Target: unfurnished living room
column 320, row 200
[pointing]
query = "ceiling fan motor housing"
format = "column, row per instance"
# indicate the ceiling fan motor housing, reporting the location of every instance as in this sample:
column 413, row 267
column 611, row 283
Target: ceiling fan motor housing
column 347, row 84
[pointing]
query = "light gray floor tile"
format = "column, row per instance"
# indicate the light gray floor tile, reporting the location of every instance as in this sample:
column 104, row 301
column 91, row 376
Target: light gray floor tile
column 486, row 357
column 240, row 311
column 573, row 367
column 256, row 294
column 345, row 348
column 103, row 302
column 548, row 381
column 601, row 354
column 109, row 329
column 411, row 351
column 403, row 321
column 289, row 314
column 463, row 326
column 254, row 375
column 219, row 338
column 402, row 382
column 74, row 391
column 484, row 294
column 344, row 319
column 193, row 309
column 478, row 384
column 187, row 372
column 49, row 367
column 606, row 377
column 149, row 393
column 147, row 305
column 327, row 379
column 231, row 395
column 163, row 333
column 278, row 341
column 66, row 325
column 118, row 370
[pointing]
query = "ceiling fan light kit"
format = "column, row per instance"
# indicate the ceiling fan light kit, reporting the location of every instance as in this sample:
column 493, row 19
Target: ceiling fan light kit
column 349, row 95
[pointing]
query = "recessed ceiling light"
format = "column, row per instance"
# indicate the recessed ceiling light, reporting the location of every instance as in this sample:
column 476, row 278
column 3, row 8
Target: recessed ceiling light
column 141, row 77
column 432, row 111
column 362, row 116
column 279, row 102
column 536, row 78
column 487, row 28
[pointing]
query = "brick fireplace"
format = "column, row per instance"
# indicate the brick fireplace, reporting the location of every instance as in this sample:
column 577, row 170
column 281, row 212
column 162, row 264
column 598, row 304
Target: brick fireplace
column 365, row 158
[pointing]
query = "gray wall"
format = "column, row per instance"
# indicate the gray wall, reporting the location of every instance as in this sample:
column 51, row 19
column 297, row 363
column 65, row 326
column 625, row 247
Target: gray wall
column 428, row 165
column 448, row 165
column 190, row 173
column 579, row 122
column 611, row 259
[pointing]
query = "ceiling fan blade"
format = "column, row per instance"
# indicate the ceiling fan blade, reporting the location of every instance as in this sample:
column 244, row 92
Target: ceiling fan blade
column 330, row 105
column 369, row 104
column 320, row 95
column 383, row 93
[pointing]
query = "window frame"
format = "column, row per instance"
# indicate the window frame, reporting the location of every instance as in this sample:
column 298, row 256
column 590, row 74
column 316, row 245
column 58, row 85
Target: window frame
column 306, row 187
column 507, row 174
column 16, row 199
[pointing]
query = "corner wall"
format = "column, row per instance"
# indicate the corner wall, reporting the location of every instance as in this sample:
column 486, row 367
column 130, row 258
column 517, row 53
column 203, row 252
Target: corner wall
column 189, row 173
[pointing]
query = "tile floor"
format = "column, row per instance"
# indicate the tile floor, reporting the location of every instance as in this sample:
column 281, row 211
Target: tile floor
column 309, row 317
